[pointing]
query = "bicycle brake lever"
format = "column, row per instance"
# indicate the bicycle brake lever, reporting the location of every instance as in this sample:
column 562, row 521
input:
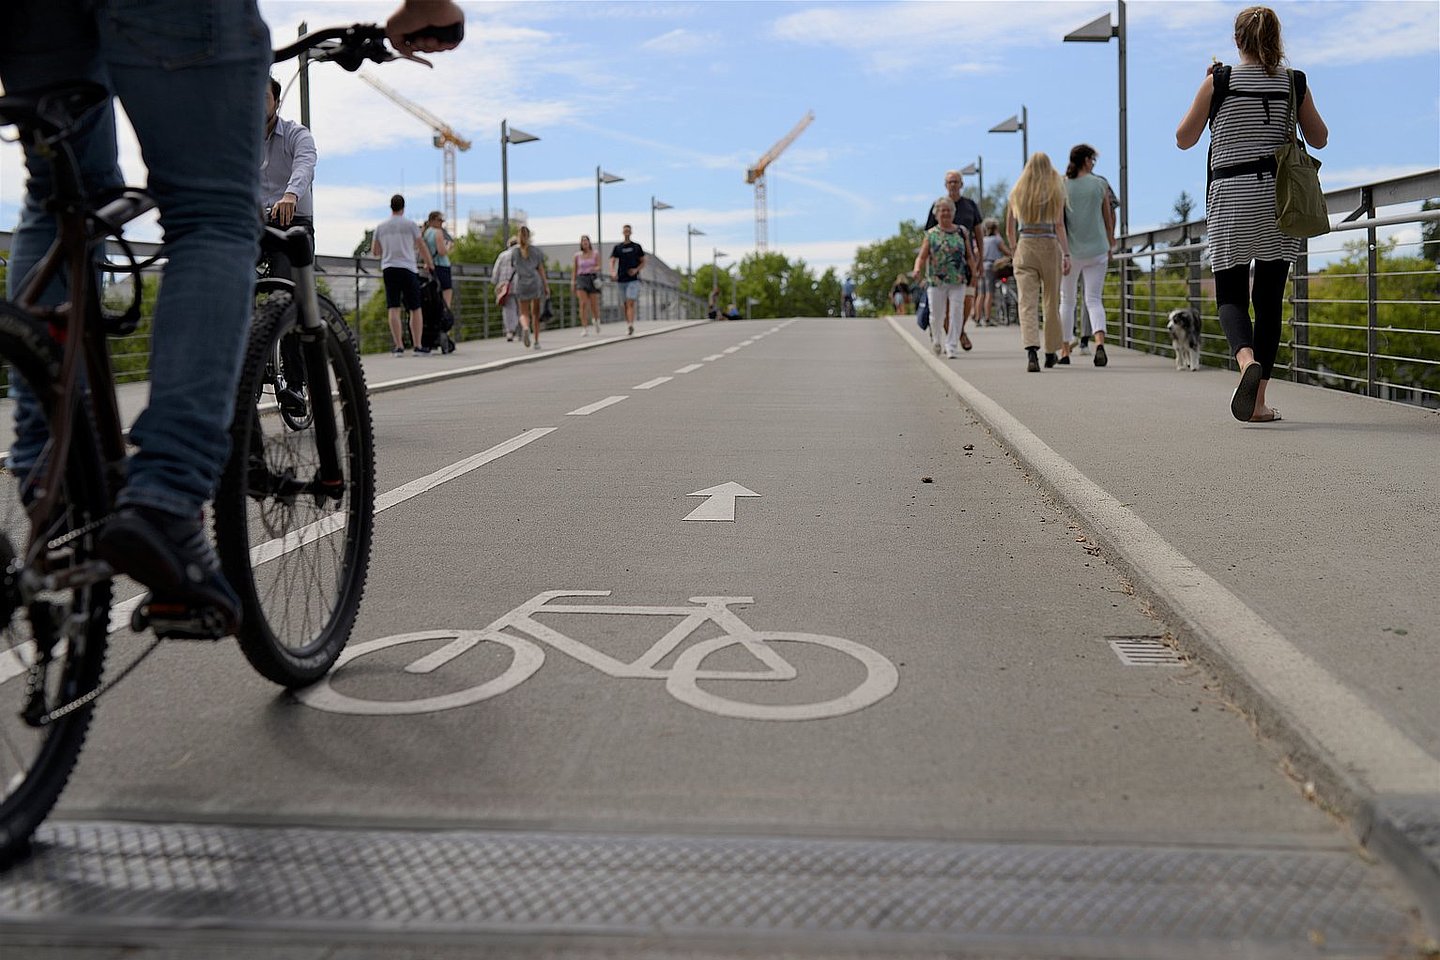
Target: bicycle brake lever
column 415, row 58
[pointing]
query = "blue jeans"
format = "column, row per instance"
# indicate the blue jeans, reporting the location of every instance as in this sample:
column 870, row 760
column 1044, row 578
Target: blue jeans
column 191, row 75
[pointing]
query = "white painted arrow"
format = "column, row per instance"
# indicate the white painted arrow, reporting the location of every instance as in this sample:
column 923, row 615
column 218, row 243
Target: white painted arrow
column 721, row 505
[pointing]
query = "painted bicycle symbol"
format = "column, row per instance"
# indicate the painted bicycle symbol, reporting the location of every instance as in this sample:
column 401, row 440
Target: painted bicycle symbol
column 519, row 630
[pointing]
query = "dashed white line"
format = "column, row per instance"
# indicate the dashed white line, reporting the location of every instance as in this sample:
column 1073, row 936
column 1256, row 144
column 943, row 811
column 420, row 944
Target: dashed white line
column 713, row 356
column 689, row 368
column 590, row 408
column 653, row 383
column 730, row 349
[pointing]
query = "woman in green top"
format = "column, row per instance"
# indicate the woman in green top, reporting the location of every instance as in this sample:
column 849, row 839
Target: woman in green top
column 944, row 256
column 1090, row 224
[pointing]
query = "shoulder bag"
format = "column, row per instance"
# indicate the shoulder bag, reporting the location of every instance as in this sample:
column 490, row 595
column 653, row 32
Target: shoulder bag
column 1299, row 202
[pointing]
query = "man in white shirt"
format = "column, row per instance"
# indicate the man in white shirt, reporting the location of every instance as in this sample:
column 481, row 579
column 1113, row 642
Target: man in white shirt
column 397, row 241
column 287, row 175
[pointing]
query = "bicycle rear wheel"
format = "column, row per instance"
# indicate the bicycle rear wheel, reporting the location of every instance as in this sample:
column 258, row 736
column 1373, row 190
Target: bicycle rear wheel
column 297, row 552
column 36, row 759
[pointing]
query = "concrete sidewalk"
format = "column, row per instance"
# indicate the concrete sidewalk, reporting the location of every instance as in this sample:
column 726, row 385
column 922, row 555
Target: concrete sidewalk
column 1297, row 559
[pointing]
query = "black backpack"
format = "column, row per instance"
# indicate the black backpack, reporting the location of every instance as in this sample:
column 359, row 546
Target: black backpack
column 1222, row 92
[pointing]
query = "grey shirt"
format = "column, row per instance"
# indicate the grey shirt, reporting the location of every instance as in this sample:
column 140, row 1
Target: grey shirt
column 397, row 237
column 288, row 166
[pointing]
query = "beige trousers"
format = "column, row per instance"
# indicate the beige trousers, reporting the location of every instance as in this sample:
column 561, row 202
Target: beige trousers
column 1037, row 274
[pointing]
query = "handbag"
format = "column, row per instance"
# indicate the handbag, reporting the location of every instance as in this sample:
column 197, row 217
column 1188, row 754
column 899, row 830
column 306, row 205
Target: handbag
column 1004, row 268
column 502, row 293
column 1300, row 209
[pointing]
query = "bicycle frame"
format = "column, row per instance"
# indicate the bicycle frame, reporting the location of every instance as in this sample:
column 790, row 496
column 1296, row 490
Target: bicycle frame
column 77, row 326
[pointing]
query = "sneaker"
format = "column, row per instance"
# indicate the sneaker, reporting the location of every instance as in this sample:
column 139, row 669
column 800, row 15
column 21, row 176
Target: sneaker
column 171, row 555
column 630, row 332
column 1100, row 358
column 936, row 347
column 398, row 352
column 1050, row 360
column 292, row 402
column 1064, row 360
column 525, row 335
column 422, row 351
column 1032, row 365
column 509, row 337
column 950, row 353
column 585, row 332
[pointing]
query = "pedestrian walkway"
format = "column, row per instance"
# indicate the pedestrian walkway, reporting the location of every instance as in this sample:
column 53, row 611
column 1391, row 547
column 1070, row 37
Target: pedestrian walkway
column 1297, row 559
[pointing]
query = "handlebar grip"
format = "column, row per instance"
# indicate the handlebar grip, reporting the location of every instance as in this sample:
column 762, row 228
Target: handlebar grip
column 451, row 33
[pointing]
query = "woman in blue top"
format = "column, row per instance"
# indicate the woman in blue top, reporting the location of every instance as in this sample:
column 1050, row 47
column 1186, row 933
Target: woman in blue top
column 438, row 241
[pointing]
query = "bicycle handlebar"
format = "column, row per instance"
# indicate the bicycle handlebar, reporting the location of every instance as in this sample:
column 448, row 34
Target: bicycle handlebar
column 351, row 46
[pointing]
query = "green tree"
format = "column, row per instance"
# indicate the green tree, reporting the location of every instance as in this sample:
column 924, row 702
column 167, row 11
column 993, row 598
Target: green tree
column 362, row 249
column 877, row 265
column 1430, row 234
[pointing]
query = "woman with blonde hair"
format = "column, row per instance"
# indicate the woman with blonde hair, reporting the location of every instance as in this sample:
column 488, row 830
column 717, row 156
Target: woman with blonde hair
column 1037, row 211
column 585, row 284
column 528, row 286
column 1247, row 107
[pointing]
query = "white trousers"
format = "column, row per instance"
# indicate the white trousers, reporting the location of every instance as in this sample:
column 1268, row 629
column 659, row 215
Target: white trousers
column 943, row 295
column 1093, row 270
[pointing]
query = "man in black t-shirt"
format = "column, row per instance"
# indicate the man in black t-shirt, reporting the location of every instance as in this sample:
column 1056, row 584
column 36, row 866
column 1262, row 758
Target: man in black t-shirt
column 627, row 259
column 967, row 217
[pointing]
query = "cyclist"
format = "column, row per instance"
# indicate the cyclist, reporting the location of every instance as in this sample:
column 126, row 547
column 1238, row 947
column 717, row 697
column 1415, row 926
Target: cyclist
column 193, row 85
column 847, row 298
column 287, row 175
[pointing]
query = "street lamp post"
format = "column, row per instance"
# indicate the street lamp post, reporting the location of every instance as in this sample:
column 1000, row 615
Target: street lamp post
column 654, row 276
column 978, row 169
column 508, row 135
column 1021, row 124
column 601, row 177
column 1100, row 31
column 715, row 254
column 690, row 232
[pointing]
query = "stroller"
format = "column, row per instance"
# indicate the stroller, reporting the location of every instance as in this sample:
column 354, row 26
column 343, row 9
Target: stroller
column 439, row 320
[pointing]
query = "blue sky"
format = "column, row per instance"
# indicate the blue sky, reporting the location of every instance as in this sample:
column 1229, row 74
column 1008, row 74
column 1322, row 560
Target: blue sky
column 680, row 97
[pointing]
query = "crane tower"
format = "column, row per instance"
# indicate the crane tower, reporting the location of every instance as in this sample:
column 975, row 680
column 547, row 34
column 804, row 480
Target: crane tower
column 445, row 138
column 756, row 175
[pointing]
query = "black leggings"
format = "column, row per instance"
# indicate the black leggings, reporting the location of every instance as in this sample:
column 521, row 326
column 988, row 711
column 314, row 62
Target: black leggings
column 1233, row 294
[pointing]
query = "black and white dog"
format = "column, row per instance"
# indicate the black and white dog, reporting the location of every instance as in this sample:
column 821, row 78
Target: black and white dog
column 1184, row 329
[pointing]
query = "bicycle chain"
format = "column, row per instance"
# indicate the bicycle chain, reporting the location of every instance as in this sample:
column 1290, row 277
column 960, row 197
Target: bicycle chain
column 33, row 681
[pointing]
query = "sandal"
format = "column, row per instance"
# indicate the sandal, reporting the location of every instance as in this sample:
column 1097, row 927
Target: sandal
column 1274, row 415
column 965, row 343
column 1242, row 402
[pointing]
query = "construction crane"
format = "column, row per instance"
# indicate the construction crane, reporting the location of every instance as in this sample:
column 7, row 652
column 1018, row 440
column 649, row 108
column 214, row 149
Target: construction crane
column 756, row 175
column 445, row 138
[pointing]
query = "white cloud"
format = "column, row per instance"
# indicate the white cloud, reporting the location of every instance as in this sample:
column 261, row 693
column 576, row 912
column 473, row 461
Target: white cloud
column 679, row 42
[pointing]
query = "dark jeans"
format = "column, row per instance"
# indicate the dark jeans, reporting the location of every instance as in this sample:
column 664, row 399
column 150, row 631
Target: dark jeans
column 1234, row 294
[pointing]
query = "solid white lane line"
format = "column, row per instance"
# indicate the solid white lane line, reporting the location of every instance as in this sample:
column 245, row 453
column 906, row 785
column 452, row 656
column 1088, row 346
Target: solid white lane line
column 690, row 368
column 273, row 549
column 652, row 383
column 713, row 356
column 1323, row 710
column 588, row 409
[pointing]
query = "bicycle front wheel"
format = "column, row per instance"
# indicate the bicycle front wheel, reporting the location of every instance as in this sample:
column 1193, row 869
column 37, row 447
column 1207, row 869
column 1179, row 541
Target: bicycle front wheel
column 295, row 546
column 52, row 642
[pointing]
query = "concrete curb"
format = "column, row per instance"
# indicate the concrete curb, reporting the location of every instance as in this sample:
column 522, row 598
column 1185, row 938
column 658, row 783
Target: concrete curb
column 385, row 386
column 1358, row 763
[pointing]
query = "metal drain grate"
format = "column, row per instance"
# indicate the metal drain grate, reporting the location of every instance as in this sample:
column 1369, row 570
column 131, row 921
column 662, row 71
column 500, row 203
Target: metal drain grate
column 94, row 878
column 1144, row 652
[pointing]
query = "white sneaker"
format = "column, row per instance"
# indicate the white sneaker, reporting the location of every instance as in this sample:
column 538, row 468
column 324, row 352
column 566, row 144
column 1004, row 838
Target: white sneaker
column 936, row 348
column 585, row 332
column 950, row 353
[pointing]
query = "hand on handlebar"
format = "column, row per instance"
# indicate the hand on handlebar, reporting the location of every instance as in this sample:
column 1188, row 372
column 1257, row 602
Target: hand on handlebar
column 406, row 29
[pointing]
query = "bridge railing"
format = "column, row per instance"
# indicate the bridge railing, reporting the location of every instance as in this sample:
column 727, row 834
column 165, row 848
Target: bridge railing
column 356, row 286
column 1363, row 311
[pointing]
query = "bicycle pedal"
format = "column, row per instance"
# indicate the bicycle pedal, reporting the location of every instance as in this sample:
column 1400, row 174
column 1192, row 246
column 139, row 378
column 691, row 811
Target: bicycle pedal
column 179, row 622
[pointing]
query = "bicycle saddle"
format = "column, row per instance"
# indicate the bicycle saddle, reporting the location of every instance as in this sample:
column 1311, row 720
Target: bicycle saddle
column 54, row 110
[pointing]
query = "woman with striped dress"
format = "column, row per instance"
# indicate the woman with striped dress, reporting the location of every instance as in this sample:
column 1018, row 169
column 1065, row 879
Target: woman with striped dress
column 1247, row 107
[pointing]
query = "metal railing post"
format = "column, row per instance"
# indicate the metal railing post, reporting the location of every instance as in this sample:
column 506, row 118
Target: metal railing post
column 1125, row 299
column 1372, row 292
column 1300, row 314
